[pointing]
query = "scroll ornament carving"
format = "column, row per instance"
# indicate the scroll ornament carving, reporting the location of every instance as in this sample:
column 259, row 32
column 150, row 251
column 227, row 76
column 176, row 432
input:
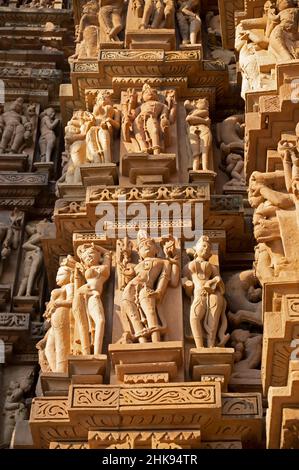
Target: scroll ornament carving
column 149, row 193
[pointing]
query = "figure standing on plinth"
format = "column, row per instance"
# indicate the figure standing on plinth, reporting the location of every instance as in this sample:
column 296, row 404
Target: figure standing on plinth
column 203, row 284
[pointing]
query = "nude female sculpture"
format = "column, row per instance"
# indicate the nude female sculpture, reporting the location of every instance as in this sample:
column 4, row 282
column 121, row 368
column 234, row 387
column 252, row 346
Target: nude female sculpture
column 90, row 276
column 203, row 284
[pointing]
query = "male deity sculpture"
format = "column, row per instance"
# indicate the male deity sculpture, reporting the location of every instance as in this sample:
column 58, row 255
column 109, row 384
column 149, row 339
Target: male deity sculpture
column 189, row 21
column 15, row 128
column 157, row 14
column 203, row 284
column 144, row 288
column 91, row 273
column 99, row 138
column 47, row 139
column 111, row 17
column 150, row 120
column 199, row 132
column 58, row 312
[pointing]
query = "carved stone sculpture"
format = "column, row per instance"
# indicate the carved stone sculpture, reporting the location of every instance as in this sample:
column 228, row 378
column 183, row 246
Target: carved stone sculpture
column 75, row 145
column 267, row 200
column 213, row 24
column 59, row 314
column 289, row 153
column 248, row 354
column 234, row 167
column 189, row 21
column 150, row 120
column 47, row 139
column 99, row 138
column 110, row 17
column 199, row 133
column 156, row 14
column 271, row 38
column 203, row 284
column 10, row 236
column 283, row 30
column 90, row 276
column 244, row 298
column 14, row 408
column 144, row 287
column 15, row 128
column 32, row 260
column 88, row 32
column 230, row 134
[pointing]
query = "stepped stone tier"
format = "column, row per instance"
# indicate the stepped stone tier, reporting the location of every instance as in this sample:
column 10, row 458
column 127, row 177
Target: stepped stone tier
column 149, row 221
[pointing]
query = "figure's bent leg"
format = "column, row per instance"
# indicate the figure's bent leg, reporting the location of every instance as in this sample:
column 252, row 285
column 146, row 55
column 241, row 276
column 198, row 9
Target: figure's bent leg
column 129, row 309
column 117, row 25
column 148, row 305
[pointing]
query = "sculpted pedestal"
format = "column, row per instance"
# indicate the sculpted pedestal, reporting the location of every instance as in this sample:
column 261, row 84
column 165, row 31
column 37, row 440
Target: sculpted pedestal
column 151, row 25
column 81, row 370
column 152, row 169
column 211, row 364
column 93, row 173
column 148, row 362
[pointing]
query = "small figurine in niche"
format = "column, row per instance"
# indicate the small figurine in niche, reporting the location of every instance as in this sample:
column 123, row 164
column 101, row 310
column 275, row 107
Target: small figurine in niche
column 145, row 285
column 203, row 284
column 99, row 138
column 47, row 138
column 199, row 133
column 33, row 258
column 111, row 17
column 90, row 276
column 15, row 128
column 150, row 120
column 189, row 21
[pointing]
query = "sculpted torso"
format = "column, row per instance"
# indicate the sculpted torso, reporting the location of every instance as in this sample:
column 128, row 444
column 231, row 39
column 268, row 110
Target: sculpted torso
column 95, row 277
